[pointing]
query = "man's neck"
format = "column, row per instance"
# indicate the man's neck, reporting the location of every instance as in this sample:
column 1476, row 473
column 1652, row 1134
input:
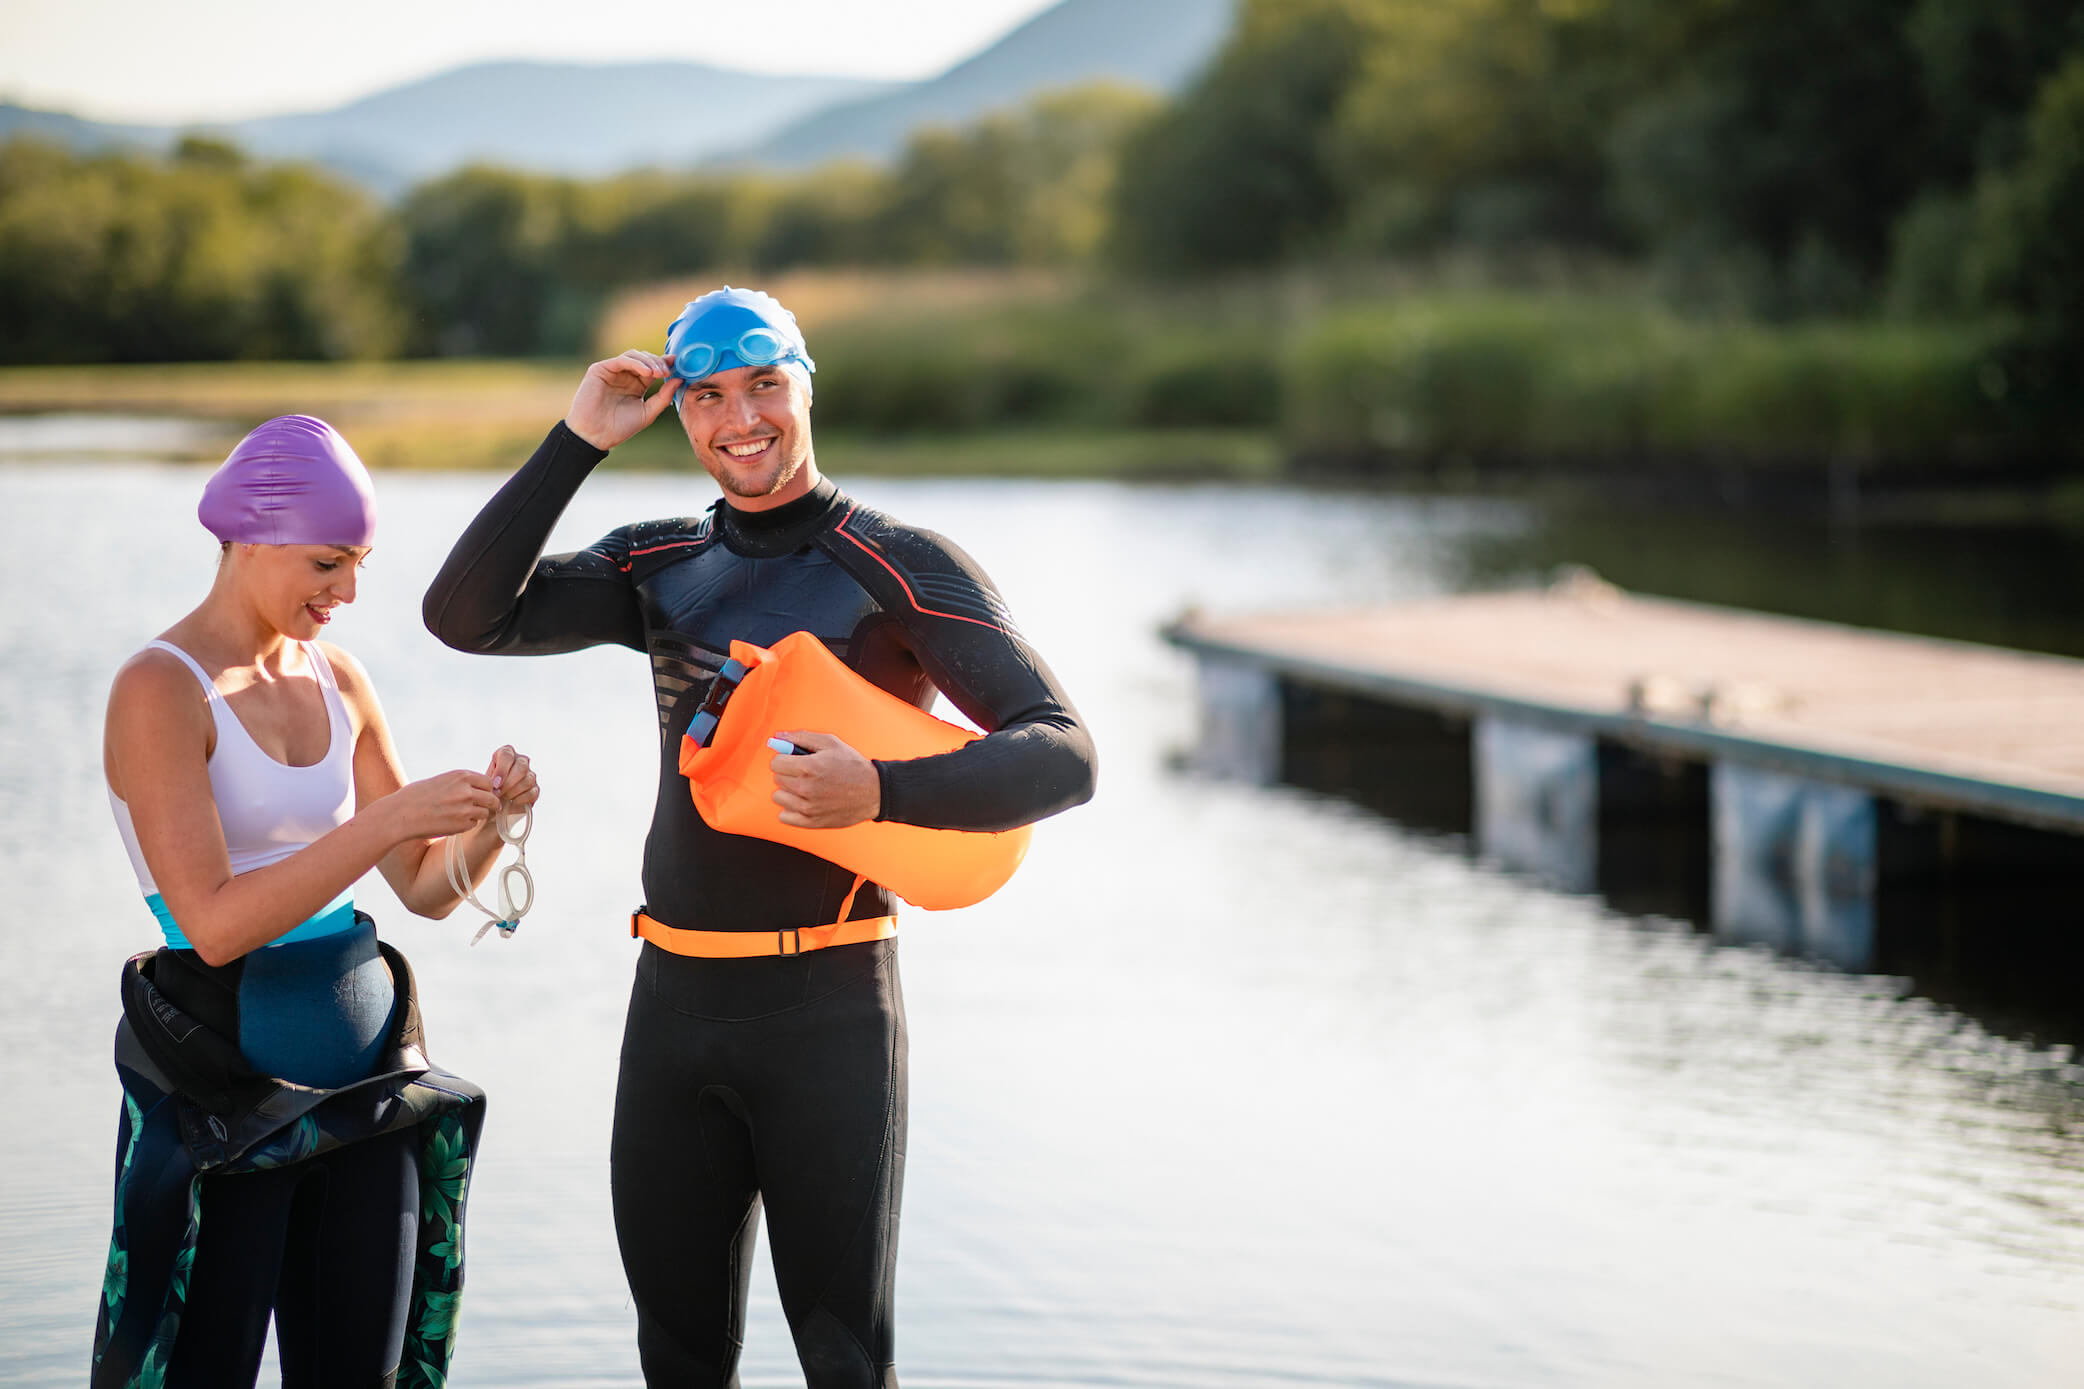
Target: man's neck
column 777, row 530
column 798, row 487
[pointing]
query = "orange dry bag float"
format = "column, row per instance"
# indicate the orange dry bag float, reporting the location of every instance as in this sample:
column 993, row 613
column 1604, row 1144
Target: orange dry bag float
column 798, row 683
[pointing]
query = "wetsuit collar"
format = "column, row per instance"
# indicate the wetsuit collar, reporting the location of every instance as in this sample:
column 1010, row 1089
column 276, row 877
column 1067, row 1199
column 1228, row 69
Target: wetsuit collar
column 764, row 534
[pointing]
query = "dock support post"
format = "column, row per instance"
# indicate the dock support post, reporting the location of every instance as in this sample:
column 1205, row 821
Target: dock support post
column 1240, row 706
column 1794, row 864
column 1537, row 800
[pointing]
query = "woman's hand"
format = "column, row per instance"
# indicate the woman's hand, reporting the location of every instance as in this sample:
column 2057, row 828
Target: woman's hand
column 826, row 786
column 514, row 779
column 450, row 803
column 610, row 405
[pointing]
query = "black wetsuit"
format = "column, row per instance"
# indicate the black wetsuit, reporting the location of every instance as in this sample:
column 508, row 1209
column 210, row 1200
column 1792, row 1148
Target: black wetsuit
column 334, row 1197
column 327, row 1243
column 781, row 1077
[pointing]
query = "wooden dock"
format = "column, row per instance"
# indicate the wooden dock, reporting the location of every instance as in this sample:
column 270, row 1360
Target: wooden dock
column 1814, row 759
column 1949, row 725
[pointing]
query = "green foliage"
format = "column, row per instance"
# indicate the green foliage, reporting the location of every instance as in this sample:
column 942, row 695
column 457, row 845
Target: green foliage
column 118, row 258
column 1239, row 171
column 1794, row 127
column 1780, row 158
column 818, row 220
column 1795, row 161
column 1208, row 384
column 1836, row 389
column 208, row 152
column 1793, row 131
column 206, row 255
column 2027, row 255
column 482, row 258
column 2029, row 242
column 950, row 371
column 1533, row 377
column 1490, row 114
column 1927, row 258
column 1982, row 62
column 501, row 262
column 1028, row 186
column 1479, row 375
column 1101, row 359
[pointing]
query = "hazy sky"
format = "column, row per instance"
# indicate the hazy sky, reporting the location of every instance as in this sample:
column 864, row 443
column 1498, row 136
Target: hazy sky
column 222, row 59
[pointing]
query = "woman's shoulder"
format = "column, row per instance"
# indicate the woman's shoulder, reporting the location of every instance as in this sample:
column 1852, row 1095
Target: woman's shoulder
column 346, row 669
column 348, row 677
column 155, row 673
column 155, row 689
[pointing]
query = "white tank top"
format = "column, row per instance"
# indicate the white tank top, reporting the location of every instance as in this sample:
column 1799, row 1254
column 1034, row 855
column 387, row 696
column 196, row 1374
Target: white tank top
column 269, row 810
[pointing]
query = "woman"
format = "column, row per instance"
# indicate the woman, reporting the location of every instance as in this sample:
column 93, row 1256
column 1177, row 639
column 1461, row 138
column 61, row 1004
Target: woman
column 279, row 1114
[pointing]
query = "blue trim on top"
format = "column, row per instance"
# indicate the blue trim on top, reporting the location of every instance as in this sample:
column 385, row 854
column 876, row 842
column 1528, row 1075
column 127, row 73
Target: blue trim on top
column 336, row 916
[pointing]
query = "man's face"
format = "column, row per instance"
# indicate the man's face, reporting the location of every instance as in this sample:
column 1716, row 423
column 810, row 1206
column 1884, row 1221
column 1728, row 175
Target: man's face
column 750, row 426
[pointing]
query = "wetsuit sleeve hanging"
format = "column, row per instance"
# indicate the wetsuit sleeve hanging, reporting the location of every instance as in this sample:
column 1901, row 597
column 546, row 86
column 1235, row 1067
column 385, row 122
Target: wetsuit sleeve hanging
column 498, row 594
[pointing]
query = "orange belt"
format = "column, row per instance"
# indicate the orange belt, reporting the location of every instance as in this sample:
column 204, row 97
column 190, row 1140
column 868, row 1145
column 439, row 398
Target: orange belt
column 730, row 945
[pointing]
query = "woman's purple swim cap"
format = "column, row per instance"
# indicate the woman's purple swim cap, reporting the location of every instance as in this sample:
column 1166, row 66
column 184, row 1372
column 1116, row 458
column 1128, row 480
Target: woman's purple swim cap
column 293, row 481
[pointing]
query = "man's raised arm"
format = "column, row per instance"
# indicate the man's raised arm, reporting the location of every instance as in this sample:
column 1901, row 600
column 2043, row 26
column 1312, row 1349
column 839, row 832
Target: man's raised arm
column 496, row 593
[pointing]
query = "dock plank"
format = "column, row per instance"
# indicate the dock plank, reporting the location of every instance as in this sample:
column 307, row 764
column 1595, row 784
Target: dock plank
column 1938, row 711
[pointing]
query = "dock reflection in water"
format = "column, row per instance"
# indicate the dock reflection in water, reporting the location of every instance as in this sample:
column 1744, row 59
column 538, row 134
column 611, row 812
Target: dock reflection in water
column 1879, row 796
column 1232, row 1086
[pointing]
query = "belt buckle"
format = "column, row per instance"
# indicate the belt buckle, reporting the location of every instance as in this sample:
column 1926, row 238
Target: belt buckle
column 791, row 941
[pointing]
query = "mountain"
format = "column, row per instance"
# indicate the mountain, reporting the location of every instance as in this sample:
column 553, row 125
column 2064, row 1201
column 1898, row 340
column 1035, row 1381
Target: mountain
column 574, row 118
column 75, row 131
column 1149, row 43
column 564, row 118
column 568, row 118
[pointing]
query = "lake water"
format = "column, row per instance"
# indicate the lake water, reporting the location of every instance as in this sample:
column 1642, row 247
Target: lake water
column 1229, row 1087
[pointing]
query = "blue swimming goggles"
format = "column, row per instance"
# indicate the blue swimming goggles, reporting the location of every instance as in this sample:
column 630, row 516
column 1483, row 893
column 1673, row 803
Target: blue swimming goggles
column 735, row 328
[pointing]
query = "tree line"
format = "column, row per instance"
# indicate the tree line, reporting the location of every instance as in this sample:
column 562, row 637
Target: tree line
column 206, row 255
column 1771, row 158
column 197, row 257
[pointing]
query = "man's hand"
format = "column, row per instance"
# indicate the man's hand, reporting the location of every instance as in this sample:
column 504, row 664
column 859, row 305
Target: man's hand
column 610, row 405
column 827, row 785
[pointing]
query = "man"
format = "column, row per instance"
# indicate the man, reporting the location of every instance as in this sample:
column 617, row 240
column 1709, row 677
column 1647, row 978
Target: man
column 750, row 1075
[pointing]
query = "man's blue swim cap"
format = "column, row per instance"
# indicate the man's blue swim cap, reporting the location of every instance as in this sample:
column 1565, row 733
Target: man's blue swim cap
column 728, row 328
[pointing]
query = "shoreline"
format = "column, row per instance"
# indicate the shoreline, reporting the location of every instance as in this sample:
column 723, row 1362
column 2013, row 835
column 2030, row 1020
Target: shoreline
column 489, row 415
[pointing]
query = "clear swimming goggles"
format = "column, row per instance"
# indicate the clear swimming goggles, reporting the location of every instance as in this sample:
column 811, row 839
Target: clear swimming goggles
column 757, row 346
column 508, row 918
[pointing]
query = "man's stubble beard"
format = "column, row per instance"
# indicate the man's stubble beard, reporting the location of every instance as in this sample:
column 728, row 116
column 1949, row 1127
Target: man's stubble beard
column 741, row 485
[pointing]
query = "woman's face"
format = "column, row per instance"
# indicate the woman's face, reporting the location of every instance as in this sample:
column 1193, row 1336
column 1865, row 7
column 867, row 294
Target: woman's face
column 295, row 588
